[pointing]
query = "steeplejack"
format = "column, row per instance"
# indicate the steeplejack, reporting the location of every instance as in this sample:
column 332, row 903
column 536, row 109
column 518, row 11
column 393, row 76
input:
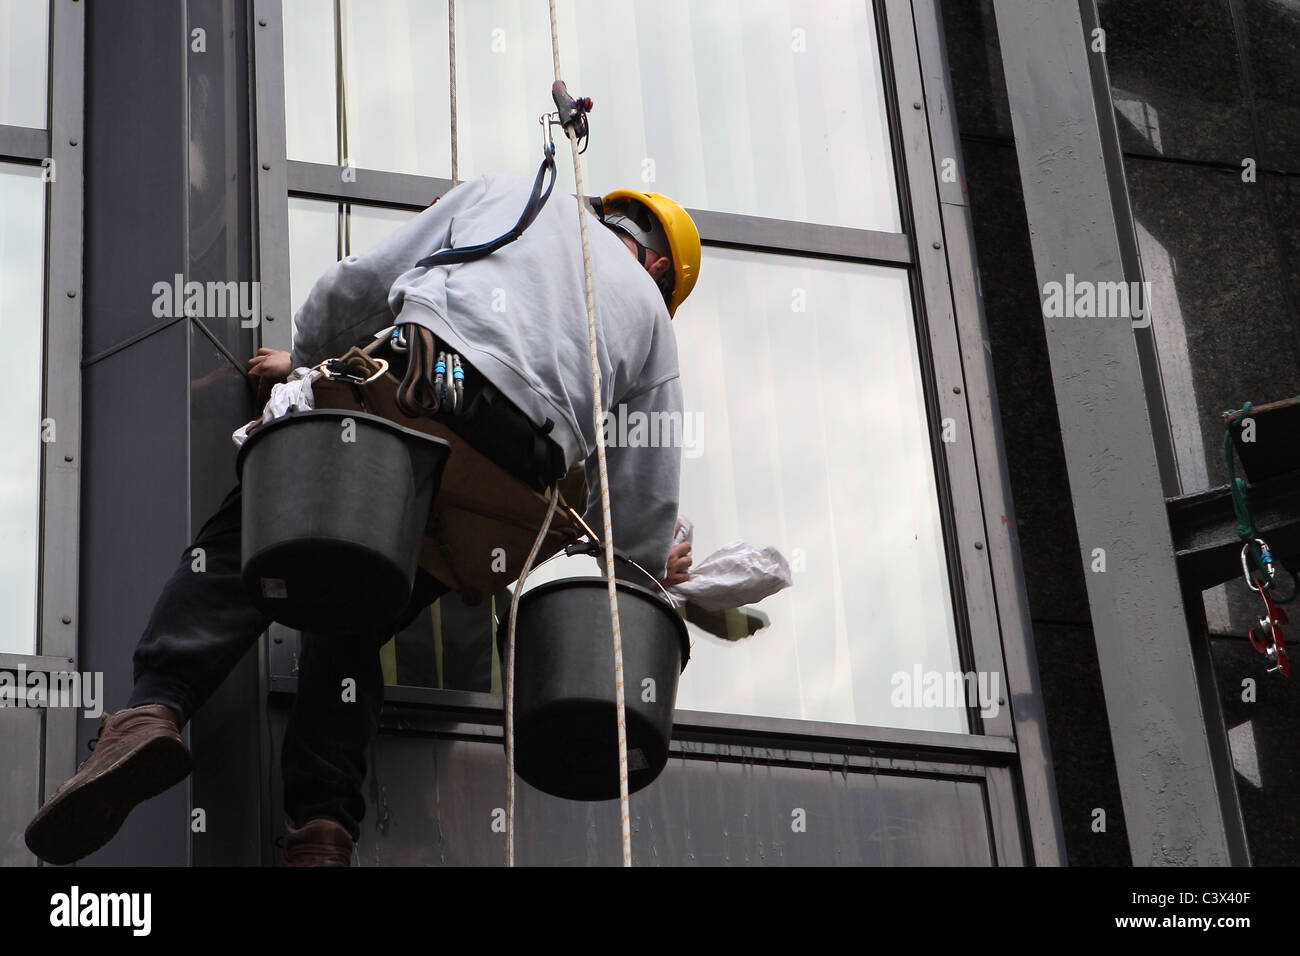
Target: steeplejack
column 435, row 377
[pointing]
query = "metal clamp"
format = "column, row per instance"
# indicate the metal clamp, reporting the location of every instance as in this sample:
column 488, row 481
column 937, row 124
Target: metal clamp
column 1270, row 642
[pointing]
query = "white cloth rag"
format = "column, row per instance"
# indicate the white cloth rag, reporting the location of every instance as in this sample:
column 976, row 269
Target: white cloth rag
column 733, row 576
column 294, row 393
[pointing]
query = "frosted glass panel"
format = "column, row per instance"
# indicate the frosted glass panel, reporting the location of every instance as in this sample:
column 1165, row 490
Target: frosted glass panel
column 310, row 81
column 24, row 62
column 396, row 77
column 313, row 245
column 803, row 383
column 367, row 225
column 22, row 320
column 764, row 107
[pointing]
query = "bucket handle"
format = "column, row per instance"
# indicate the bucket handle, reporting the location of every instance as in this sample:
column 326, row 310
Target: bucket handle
column 595, row 550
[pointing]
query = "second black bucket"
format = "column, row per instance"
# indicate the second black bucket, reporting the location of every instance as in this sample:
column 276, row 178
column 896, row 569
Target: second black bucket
column 566, row 735
column 334, row 506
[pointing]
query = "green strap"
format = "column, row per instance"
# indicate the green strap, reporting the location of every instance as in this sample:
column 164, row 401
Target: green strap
column 1246, row 529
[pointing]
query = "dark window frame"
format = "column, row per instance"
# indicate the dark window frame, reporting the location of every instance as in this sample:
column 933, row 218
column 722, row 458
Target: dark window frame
column 58, row 146
column 986, row 584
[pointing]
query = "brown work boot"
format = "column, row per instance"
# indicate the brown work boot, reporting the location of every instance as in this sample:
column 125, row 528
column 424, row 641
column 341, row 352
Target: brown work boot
column 319, row 842
column 139, row 754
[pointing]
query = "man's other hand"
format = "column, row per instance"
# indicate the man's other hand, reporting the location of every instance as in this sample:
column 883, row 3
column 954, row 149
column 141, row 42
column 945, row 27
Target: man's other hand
column 679, row 560
column 269, row 367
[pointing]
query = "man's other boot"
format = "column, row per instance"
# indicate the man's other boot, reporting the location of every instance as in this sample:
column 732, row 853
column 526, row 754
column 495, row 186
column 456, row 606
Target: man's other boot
column 319, row 842
column 139, row 754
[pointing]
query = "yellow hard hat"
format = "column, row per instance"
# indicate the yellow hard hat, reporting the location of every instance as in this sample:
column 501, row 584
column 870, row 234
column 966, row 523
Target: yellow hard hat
column 670, row 232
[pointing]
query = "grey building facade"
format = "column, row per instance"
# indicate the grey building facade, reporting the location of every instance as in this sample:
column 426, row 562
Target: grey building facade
column 886, row 190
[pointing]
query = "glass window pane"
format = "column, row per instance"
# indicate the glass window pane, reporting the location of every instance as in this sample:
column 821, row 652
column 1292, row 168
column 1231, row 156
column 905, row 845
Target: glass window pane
column 815, row 440
column 367, row 225
column 396, row 79
column 310, row 81
column 313, row 245
column 807, row 379
column 763, row 107
column 22, row 284
column 24, row 62
column 314, row 239
column 804, row 380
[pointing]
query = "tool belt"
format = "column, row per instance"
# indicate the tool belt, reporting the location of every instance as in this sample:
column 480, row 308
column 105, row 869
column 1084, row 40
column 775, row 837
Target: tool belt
column 462, row 399
column 489, row 507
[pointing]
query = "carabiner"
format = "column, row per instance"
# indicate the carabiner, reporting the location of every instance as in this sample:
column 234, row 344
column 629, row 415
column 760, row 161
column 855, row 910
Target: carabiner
column 1266, row 557
column 335, row 369
column 439, row 382
column 458, row 385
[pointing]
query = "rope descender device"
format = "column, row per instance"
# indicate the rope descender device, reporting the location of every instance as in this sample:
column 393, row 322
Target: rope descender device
column 1269, row 642
column 570, row 114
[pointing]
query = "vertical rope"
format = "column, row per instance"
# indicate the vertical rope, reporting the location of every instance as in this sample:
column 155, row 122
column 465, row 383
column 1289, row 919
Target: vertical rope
column 510, row 680
column 604, row 475
column 451, row 55
column 340, row 86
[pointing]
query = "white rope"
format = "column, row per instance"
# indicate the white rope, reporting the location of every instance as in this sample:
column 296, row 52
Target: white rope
column 598, row 413
column 451, row 55
column 510, row 680
column 604, row 475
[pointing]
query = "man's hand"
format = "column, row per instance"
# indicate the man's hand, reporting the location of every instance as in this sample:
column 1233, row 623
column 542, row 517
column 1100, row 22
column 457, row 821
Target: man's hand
column 269, row 367
column 679, row 560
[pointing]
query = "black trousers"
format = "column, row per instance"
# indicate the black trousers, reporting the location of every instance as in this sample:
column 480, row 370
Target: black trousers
column 204, row 623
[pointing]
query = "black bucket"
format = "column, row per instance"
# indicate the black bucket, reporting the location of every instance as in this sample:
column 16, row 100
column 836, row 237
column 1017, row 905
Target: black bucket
column 566, row 734
column 335, row 503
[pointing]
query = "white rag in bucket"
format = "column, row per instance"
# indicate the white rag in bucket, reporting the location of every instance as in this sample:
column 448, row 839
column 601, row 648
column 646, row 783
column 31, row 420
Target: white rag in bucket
column 733, row 576
column 292, row 394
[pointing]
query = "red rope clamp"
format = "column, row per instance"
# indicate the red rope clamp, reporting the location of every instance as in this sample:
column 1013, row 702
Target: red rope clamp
column 1270, row 642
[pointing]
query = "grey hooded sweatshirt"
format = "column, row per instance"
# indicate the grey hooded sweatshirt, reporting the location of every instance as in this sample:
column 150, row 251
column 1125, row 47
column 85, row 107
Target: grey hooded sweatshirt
column 519, row 316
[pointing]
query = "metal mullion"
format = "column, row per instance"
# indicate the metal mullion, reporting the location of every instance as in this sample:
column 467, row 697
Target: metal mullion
column 802, row 238
column 23, row 144
column 954, row 465
column 271, row 263
column 369, row 186
column 702, row 726
column 34, row 663
column 795, row 751
column 61, row 459
column 404, row 720
column 1004, row 825
column 1010, row 596
column 271, row 182
column 734, row 230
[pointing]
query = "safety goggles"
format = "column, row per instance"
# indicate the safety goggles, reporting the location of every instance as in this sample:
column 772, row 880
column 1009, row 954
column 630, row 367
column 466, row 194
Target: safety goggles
column 638, row 223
